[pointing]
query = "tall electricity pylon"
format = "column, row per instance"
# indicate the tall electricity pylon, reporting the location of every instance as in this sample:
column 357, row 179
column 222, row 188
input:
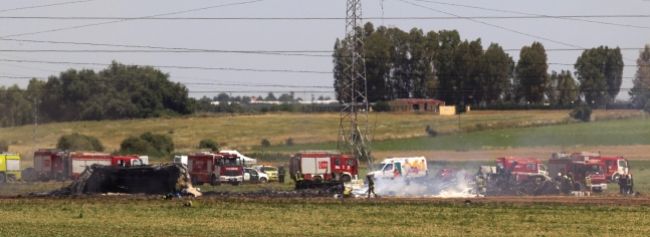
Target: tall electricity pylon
column 353, row 126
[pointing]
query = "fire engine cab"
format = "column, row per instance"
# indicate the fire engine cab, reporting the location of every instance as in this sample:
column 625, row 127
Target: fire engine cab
column 322, row 167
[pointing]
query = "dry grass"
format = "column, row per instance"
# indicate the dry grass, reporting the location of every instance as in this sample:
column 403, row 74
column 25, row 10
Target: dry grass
column 245, row 131
column 124, row 216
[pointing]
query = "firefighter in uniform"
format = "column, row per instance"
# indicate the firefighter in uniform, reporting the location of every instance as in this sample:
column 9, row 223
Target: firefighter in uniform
column 371, row 185
column 281, row 173
column 480, row 182
column 622, row 183
column 480, row 185
column 629, row 184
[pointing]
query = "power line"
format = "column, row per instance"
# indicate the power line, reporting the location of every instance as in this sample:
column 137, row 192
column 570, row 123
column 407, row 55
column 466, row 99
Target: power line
column 263, row 52
column 46, row 5
column 569, row 17
column 259, row 91
column 493, row 25
column 123, row 20
column 254, row 85
column 528, row 16
column 201, row 83
column 174, row 67
column 315, row 53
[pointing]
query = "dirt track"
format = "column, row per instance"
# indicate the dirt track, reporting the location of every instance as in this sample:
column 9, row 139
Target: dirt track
column 632, row 152
column 289, row 197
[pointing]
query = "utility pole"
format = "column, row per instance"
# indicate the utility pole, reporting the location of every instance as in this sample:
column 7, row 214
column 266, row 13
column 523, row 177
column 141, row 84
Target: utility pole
column 35, row 123
column 353, row 126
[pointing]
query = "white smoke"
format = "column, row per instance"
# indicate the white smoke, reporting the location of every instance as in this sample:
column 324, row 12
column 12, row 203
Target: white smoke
column 460, row 185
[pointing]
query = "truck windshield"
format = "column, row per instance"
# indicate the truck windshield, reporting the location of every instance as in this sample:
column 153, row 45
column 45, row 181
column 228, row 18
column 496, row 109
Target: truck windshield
column 388, row 167
column 230, row 162
column 622, row 163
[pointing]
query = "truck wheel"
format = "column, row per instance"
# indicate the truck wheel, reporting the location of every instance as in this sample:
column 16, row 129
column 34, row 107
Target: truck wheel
column 263, row 180
column 615, row 178
column 346, row 178
column 318, row 179
column 3, row 178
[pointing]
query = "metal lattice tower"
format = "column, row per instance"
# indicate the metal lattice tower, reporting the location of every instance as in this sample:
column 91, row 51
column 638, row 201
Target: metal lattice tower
column 353, row 126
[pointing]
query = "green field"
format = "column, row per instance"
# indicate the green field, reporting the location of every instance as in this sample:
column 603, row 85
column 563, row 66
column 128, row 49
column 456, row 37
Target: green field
column 245, row 132
column 612, row 132
column 123, row 216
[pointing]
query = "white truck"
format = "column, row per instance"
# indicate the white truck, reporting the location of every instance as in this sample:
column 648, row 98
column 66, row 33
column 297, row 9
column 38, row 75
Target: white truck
column 407, row 167
column 247, row 160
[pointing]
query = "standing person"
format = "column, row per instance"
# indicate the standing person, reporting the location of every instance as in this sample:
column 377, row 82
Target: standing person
column 281, row 173
column 622, row 182
column 629, row 184
column 371, row 185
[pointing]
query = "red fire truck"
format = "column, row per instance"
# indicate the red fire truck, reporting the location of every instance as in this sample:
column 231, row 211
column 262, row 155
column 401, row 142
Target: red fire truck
column 587, row 173
column 231, row 168
column 521, row 168
column 203, row 168
column 314, row 168
column 216, row 168
column 60, row 165
column 514, row 176
column 613, row 166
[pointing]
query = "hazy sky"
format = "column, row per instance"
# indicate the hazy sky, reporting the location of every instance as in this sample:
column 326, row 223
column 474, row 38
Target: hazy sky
column 290, row 35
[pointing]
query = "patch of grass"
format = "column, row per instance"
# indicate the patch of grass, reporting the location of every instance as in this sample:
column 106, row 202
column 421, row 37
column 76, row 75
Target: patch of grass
column 238, row 217
column 245, row 131
column 612, row 132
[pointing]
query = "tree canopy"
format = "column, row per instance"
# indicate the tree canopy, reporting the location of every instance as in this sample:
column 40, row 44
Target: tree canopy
column 600, row 72
column 640, row 93
column 119, row 91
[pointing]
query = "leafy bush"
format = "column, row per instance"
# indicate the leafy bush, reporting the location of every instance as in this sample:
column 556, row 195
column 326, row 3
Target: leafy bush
column 581, row 112
column 161, row 142
column 209, row 144
column 156, row 145
column 265, row 143
column 136, row 145
column 381, row 106
column 289, row 142
column 430, row 131
column 4, row 146
column 79, row 142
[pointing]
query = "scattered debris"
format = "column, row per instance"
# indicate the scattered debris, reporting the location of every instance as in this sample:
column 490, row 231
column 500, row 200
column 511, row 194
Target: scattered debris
column 162, row 179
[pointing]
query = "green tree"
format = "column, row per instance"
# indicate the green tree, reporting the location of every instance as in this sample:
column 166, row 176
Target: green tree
column 378, row 49
column 270, row 97
column 136, row 145
column 640, row 92
column 79, row 142
column 209, row 144
column 531, row 74
column 265, row 143
column 581, row 112
column 161, row 142
column 496, row 67
column 600, row 72
column 562, row 89
column 446, row 68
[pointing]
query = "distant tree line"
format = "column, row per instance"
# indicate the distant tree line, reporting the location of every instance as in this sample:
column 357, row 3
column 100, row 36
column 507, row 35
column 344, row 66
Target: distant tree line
column 286, row 102
column 117, row 92
column 441, row 65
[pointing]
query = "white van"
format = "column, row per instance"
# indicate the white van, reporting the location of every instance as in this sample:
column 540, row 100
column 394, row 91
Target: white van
column 408, row 167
